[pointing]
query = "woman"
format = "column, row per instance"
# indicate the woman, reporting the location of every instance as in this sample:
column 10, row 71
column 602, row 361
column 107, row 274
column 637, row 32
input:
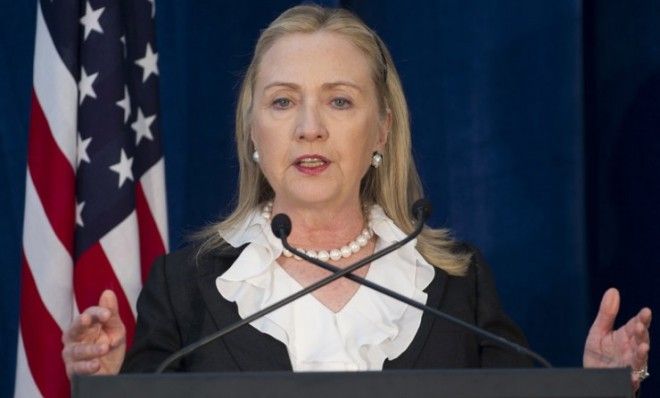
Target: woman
column 323, row 136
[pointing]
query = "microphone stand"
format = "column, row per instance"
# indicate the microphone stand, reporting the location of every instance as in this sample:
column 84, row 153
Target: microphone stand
column 499, row 340
column 315, row 286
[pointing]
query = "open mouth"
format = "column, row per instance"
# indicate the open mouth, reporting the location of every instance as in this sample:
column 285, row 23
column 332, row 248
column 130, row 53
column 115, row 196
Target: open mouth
column 311, row 164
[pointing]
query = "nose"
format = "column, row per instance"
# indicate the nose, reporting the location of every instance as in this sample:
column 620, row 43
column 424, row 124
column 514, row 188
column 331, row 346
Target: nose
column 310, row 126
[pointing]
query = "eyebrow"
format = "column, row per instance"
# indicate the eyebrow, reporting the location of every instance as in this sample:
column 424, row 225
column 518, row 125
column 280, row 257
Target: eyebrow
column 329, row 85
column 285, row 84
column 342, row 83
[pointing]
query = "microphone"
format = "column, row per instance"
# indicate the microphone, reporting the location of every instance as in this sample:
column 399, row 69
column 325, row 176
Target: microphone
column 421, row 209
column 281, row 225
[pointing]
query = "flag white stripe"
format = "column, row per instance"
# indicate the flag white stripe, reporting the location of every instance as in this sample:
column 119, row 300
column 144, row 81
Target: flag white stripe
column 56, row 90
column 122, row 247
column 25, row 386
column 153, row 185
column 50, row 262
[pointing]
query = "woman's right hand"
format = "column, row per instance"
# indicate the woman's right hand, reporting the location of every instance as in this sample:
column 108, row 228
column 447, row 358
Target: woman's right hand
column 95, row 343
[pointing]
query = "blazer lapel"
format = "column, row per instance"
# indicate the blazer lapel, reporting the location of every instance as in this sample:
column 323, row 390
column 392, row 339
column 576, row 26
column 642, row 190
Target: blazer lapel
column 251, row 349
column 409, row 357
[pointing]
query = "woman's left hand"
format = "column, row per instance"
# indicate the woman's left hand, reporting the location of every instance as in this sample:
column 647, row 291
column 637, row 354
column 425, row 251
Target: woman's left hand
column 627, row 346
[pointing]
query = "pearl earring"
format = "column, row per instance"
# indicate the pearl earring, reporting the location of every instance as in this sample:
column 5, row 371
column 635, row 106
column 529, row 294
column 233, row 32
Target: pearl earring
column 255, row 156
column 376, row 160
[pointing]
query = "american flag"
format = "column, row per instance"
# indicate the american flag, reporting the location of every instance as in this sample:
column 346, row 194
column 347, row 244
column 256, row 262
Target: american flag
column 95, row 210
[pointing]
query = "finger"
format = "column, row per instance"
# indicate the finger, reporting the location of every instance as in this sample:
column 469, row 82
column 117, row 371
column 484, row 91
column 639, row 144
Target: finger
column 102, row 313
column 85, row 367
column 640, row 363
column 645, row 316
column 642, row 355
column 638, row 329
column 609, row 307
column 78, row 352
column 84, row 352
column 640, row 346
column 82, row 323
column 633, row 327
column 641, row 333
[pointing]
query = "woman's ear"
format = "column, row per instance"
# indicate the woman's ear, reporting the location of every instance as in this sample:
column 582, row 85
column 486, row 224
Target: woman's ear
column 384, row 130
column 251, row 134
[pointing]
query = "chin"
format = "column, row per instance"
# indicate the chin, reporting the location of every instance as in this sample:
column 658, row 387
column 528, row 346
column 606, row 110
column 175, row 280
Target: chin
column 306, row 191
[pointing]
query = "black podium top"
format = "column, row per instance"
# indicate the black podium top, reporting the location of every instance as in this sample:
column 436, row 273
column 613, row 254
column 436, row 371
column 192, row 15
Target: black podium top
column 470, row 383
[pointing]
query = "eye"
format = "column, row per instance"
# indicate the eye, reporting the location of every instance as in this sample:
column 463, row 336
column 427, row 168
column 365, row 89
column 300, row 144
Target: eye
column 341, row 103
column 282, row 103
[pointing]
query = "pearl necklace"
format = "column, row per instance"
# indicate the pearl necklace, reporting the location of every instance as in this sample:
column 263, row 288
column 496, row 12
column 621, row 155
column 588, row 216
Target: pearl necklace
column 345, row 251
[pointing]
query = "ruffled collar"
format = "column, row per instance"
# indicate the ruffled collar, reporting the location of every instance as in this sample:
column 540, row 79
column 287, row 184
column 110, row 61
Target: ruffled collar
column 259, row 255
column 367, row 330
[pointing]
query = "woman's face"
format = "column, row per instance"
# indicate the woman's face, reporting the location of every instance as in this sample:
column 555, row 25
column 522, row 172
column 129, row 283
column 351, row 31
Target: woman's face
column 315, row 119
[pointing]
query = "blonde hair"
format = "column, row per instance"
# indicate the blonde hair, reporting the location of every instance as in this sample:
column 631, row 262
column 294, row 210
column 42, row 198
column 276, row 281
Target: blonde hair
column 381, row 186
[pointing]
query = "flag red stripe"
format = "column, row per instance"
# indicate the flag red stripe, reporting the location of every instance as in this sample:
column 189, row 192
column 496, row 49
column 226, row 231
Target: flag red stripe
column 91, row 276
column 42, row 339
column 151, row 243
column 53, row 177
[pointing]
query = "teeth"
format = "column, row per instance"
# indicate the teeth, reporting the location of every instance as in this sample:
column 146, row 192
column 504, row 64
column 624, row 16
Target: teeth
column 311, row 162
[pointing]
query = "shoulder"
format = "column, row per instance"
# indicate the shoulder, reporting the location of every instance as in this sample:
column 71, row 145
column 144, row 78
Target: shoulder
column 459, row 291
column 192, row 260
column 472, row 290
column 196, row 253
column 477, row 266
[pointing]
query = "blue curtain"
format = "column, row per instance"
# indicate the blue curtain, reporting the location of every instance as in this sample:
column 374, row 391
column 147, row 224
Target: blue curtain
column 535, row 129
column 622, row 140
column 17, row 23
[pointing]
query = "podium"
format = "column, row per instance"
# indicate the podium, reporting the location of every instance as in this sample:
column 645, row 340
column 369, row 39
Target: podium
column 464, row 383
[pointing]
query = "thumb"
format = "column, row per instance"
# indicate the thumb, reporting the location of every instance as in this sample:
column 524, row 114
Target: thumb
column 108, row 300
column 609, row 307
column 114, row 325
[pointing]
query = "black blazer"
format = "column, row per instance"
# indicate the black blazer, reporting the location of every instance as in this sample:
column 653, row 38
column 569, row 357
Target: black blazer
column 180, row 304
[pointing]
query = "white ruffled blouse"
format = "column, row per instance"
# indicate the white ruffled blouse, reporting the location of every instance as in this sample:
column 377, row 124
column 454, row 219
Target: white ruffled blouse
column 370, row 328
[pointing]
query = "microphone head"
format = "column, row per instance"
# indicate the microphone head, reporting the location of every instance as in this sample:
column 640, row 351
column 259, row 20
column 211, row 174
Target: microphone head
column 421, row 209
column 281, row 225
